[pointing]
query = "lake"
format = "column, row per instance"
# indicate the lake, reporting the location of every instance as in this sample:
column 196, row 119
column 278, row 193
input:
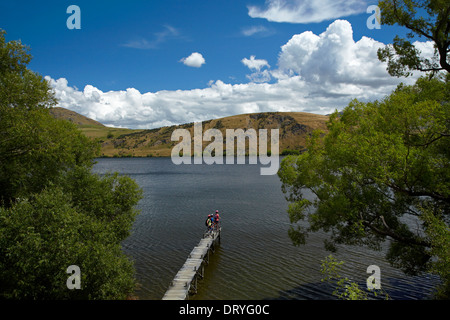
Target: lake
column 256, row 259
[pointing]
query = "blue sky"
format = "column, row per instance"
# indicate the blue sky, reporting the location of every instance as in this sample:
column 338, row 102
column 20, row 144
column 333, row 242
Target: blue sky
column 128, row 65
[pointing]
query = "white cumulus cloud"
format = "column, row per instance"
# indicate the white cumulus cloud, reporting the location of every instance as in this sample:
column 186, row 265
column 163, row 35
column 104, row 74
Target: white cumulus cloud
column 255, row 64
column 314, row 73
column 334, row 59
column 195, row 60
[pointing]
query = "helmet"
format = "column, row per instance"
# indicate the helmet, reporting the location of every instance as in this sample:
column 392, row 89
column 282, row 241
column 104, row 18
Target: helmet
column 217, row 211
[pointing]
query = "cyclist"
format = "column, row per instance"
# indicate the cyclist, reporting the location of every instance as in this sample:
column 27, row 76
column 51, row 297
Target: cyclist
column 216, row 220
column 209, row 222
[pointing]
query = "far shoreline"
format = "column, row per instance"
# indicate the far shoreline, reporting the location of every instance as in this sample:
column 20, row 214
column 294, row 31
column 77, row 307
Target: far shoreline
column 115, row 156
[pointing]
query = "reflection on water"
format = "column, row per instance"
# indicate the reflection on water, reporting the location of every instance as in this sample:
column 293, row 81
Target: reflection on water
column 256, row 259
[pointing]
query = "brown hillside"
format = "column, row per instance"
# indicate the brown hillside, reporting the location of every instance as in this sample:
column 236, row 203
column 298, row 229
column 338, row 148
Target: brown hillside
column 294, row 128
column 72, row 116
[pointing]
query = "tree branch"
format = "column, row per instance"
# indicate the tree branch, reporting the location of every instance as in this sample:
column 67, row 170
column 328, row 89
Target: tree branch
column 409, row 26
column 389, row 232
column 429, row 69
column 441, row 135
column 419, row 194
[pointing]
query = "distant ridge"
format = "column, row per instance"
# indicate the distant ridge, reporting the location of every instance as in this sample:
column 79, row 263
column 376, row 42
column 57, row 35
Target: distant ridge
column 294, row 128
column 72, row 116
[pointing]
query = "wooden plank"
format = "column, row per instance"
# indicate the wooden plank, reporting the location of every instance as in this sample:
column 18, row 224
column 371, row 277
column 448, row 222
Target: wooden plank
column 185, row 275
column 198, row 253
column 193, row 262
column 176, row 295
column 206, row 242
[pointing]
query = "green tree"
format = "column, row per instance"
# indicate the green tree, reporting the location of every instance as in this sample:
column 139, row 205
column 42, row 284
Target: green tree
column 379, row 164
column 54, row 212
column 427, row 19
column 438, row 234
column 44, row 234
column 34, row 147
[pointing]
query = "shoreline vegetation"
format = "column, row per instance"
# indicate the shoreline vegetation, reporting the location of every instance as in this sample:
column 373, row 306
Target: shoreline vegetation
column 283, row 153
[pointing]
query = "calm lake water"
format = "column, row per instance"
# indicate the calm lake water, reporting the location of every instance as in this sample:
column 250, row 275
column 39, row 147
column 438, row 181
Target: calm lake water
column 256, row 259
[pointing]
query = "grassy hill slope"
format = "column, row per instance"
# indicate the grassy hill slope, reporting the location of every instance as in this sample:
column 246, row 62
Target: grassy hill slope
column 294, row 128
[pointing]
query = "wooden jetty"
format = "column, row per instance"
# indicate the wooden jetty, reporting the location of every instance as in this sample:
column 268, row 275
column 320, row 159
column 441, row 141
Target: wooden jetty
column 185, row 281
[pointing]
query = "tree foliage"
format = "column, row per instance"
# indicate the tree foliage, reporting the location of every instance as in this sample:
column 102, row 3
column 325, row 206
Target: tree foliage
column 34, row 147
column 428, row 19
column 54, row 212
column 46, row 233
column 369, row 178
column 438, row 234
